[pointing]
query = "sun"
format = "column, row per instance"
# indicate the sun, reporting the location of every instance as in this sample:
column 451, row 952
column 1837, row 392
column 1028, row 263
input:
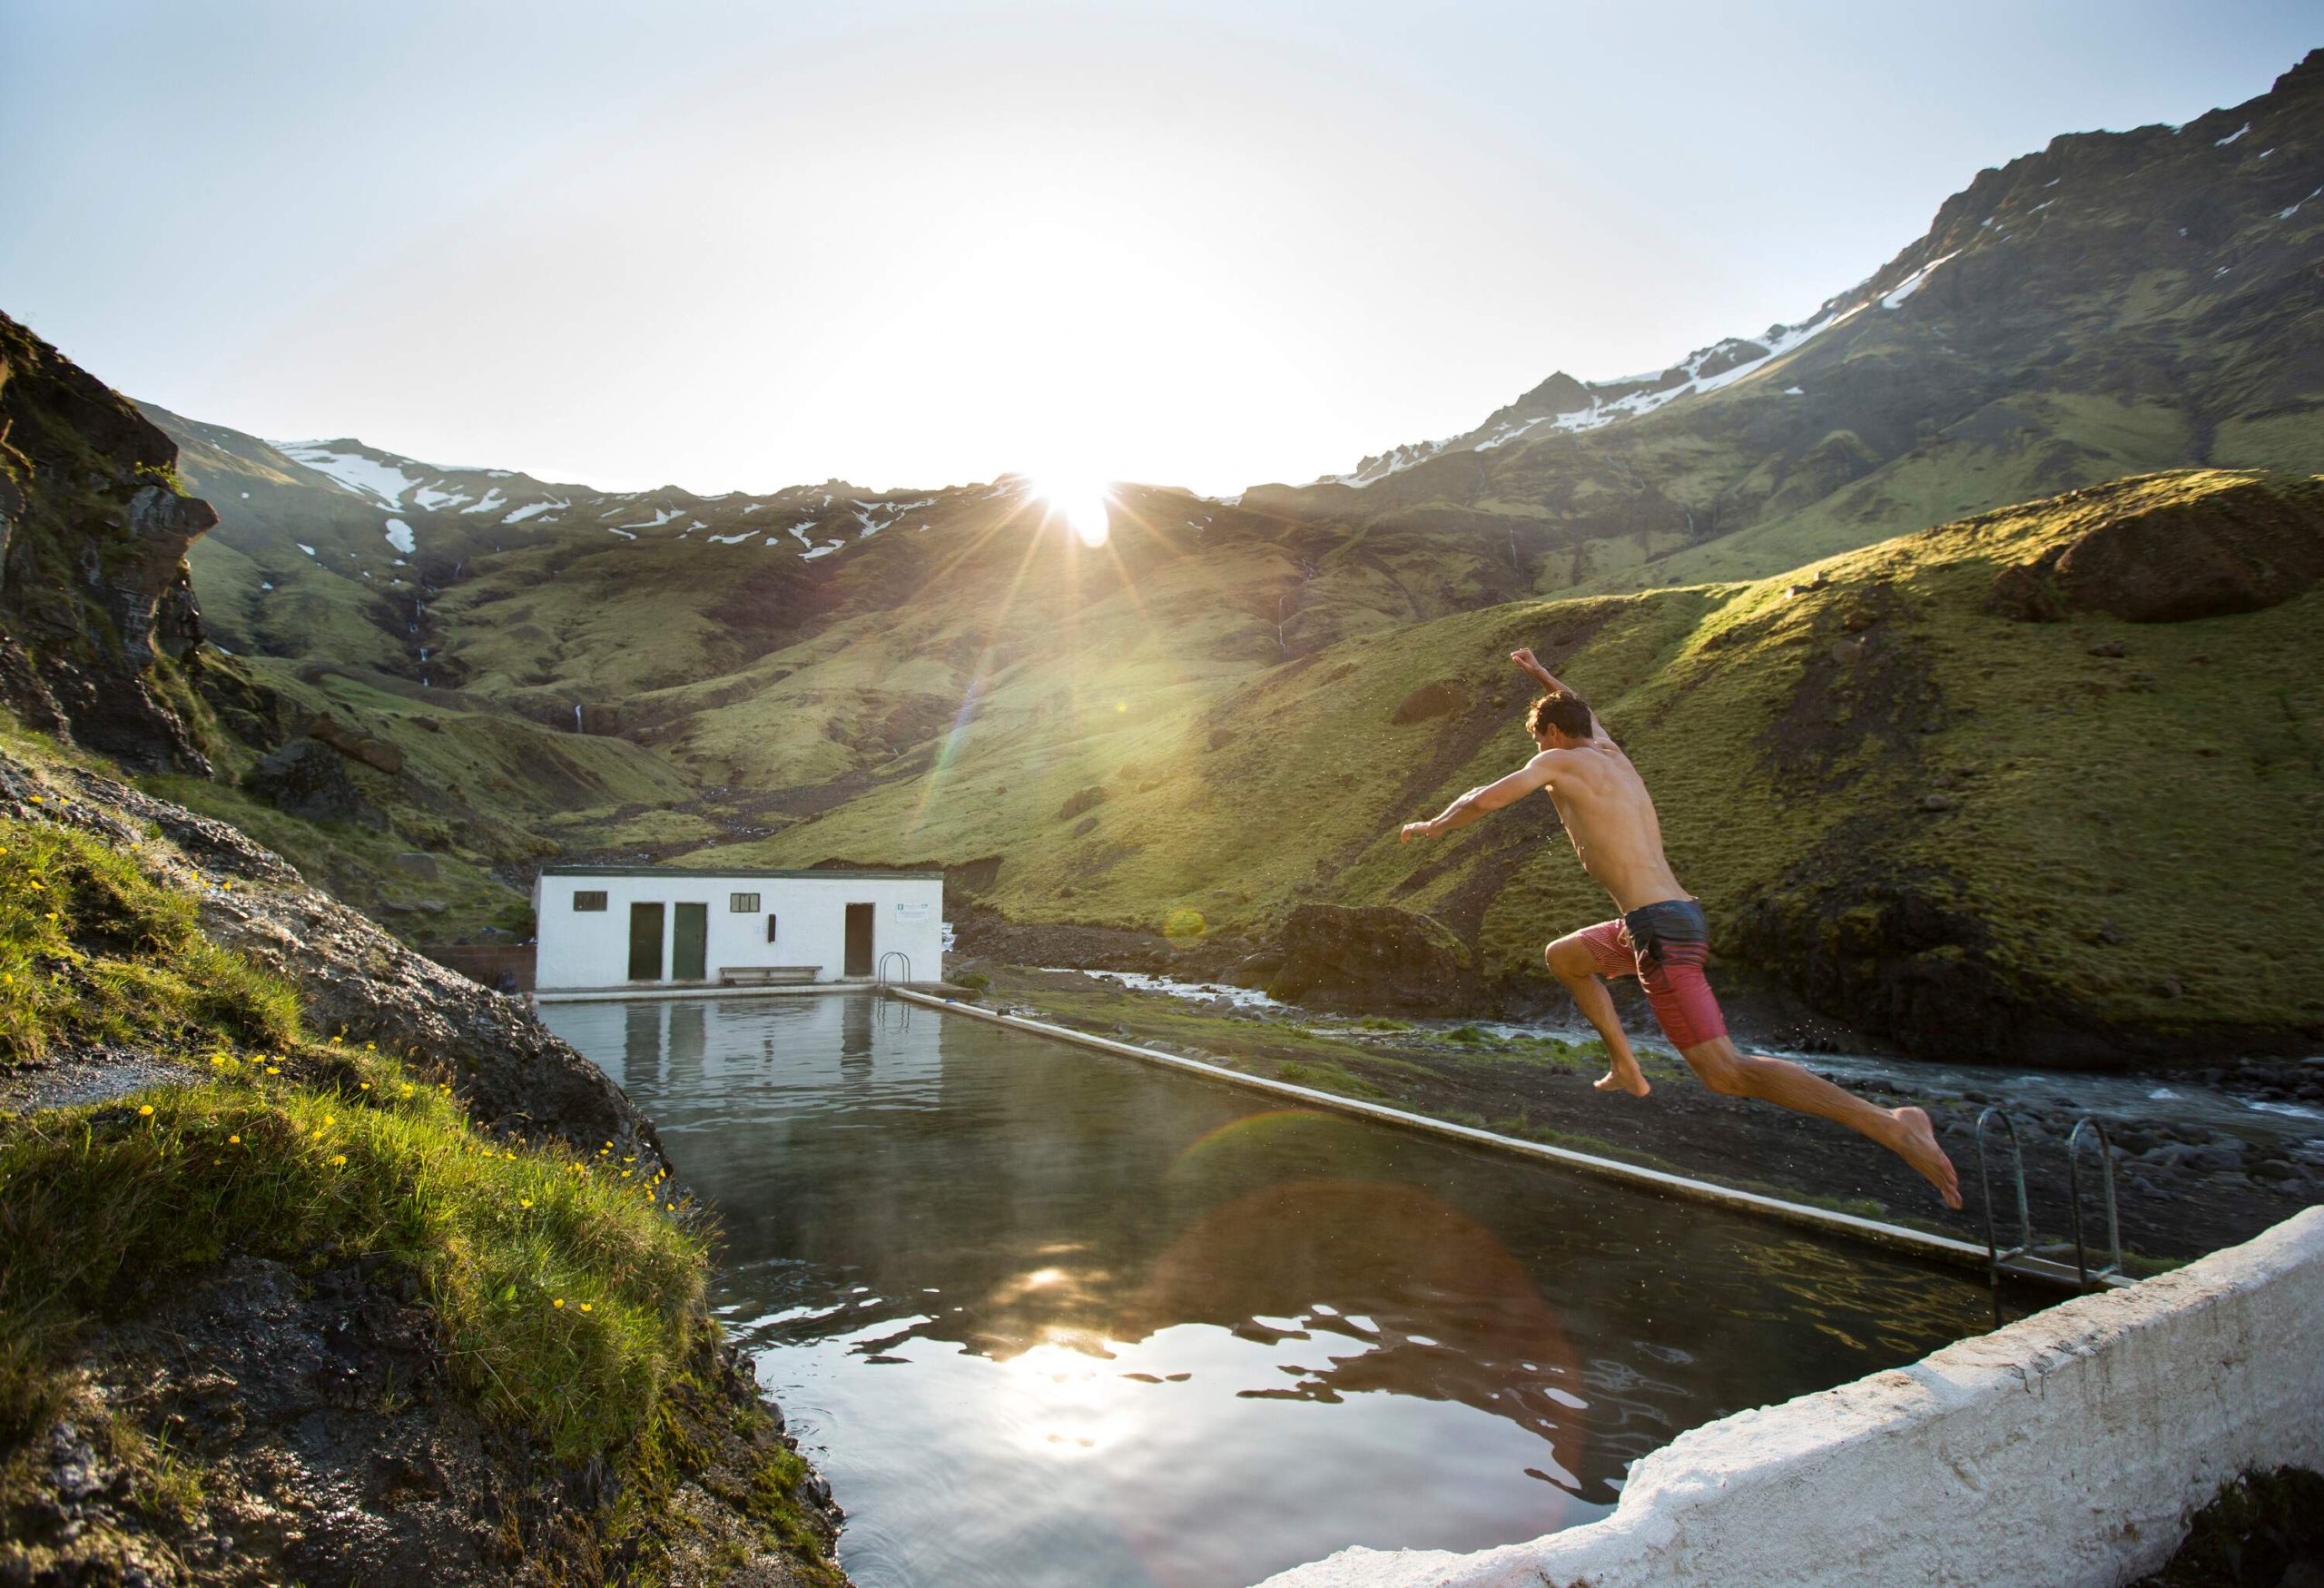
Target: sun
column 1083, row 500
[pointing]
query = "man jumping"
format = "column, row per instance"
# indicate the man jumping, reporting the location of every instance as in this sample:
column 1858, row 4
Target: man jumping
column 1660, row 937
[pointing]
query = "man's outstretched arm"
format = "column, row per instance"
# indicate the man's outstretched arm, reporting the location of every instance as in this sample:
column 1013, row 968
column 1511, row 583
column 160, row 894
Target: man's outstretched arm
column 1534, row 775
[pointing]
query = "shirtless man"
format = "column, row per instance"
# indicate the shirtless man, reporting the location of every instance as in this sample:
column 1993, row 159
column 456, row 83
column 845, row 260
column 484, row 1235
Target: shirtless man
column 1660, row 937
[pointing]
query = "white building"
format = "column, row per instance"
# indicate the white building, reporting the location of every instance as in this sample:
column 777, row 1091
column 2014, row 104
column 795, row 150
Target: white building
column 661, row 927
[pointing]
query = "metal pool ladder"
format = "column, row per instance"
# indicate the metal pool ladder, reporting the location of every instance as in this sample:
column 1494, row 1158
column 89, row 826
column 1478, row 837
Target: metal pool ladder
column 901, row 957
column 1995, row 1256
column 2082, row 1270
column 2022, row 1252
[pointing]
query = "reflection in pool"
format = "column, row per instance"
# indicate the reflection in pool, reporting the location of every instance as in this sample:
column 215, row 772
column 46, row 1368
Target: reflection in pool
column 1048, row 1318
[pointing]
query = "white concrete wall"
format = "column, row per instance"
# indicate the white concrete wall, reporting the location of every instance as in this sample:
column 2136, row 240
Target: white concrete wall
column 2068, row 1448
column 590, row 949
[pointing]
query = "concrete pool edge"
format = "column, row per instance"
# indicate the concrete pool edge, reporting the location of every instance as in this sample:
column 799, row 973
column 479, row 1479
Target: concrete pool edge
column 2068, row 1448
column 1825, row 1220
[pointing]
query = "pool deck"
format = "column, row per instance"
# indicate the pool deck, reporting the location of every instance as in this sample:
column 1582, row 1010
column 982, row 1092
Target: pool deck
column 1823, row 1220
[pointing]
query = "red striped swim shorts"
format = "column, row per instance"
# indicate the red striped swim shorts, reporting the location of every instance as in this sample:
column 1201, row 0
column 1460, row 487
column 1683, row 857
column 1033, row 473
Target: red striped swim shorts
column 1664, row 946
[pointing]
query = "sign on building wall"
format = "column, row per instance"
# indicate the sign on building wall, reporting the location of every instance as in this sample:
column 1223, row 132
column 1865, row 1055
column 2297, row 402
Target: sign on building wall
column 917, row 911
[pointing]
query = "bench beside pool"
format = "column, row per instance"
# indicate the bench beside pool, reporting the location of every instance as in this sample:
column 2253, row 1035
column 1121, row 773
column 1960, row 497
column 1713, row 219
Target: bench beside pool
column 767, row 975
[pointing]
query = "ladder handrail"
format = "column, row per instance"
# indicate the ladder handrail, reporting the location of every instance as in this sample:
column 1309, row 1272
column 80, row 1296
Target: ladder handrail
column 1995, row 1256
column 2073, row 1182
column 894, row 954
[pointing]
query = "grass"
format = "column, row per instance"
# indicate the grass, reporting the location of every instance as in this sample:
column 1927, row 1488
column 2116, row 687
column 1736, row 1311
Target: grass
column 563, row 1292
column 2258, row 1530
column 297, row 1149
column 566, row 1287
column 94, row 951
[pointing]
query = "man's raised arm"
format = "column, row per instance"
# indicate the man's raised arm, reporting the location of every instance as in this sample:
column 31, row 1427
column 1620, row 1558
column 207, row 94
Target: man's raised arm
column 1524, row 658
column 1534, row 775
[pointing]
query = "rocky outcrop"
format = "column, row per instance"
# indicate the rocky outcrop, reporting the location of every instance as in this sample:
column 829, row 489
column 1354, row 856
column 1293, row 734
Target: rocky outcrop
column 1371, row 958
column 306, row 779
column 356, row 746
column 1443, row 697
column 101, row 630
column 2243, row 549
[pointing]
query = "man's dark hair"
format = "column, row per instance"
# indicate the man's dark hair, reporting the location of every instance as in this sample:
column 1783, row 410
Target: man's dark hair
column 1560, row 709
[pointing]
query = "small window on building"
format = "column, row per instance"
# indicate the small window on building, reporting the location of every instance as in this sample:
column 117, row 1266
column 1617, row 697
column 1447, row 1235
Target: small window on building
column 743, row 904
column 770, row 928
column 589, row 899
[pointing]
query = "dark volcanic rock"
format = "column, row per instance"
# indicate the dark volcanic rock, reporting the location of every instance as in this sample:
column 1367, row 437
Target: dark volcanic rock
column 307, row 778
column 1371, row 958
column 1441, row 698
column 357, row 747
column 2241, row 550
column 94, row 592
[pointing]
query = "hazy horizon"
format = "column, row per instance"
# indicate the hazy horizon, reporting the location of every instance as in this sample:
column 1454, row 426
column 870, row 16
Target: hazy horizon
column 917, row 243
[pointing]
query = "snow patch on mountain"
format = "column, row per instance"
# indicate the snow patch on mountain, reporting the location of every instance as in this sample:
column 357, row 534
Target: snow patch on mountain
column 400, row 536
column 1912, row 283
column 373, row 479
column 533, row 509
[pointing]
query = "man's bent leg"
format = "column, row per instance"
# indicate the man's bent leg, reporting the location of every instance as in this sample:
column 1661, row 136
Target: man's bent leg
column 1572, row 960
column 1903, row 1131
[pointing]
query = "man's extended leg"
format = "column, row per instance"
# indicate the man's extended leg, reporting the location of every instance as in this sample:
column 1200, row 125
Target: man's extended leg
column 1903, row 1131
column 1572, row 961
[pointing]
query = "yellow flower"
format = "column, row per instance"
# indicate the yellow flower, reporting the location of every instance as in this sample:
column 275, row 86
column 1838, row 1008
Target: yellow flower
column 336, row 1159
column 559, row 1302
column 625, row 1174
column 334, row 1039
column 524, row 1201
column 584, row 1306
column 406, row 1091
column 367, row 1086
column 234, row 1141
column 371, row 1047
column 217, row 1062
column 40, row 887
column 329, row 1119
column 51, row 915
column 146, row 1112
column 274, row 1070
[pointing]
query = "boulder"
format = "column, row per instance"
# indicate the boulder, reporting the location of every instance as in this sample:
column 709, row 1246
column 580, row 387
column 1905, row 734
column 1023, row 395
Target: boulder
column 2240, row 550
column 1441, row 698
column 307, row 778
column 1371, row 958
column 356, row 746
column 1080, row 800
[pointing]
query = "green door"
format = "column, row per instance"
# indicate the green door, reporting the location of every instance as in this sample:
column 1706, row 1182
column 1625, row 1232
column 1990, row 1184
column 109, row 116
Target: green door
column 646, row 942
column 689, row 933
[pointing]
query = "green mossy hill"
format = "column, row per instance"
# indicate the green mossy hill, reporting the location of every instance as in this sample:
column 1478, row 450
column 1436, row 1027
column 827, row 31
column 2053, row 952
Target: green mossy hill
column 1981, row 836
column 516, row 1312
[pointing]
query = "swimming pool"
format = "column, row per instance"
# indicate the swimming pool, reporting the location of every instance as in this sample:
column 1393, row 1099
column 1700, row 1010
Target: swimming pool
column 1048, row 1318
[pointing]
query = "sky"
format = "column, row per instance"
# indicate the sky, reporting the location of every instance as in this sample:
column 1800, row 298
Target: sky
column 915, row 242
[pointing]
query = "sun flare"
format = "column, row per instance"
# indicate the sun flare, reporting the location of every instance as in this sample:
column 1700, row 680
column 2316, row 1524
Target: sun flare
column 1082, row 500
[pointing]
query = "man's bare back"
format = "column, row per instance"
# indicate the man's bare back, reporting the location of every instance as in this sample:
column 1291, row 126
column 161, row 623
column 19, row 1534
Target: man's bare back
column 1661, row 936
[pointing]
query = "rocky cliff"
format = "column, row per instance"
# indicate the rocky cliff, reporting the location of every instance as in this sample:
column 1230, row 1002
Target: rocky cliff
column 101, row 630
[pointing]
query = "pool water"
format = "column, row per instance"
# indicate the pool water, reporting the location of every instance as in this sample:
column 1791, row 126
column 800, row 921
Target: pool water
column 1051, row 1318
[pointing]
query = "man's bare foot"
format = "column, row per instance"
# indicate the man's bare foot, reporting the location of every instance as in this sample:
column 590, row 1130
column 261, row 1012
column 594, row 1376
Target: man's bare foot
column 1918, row 1147
column 1625, row 1076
